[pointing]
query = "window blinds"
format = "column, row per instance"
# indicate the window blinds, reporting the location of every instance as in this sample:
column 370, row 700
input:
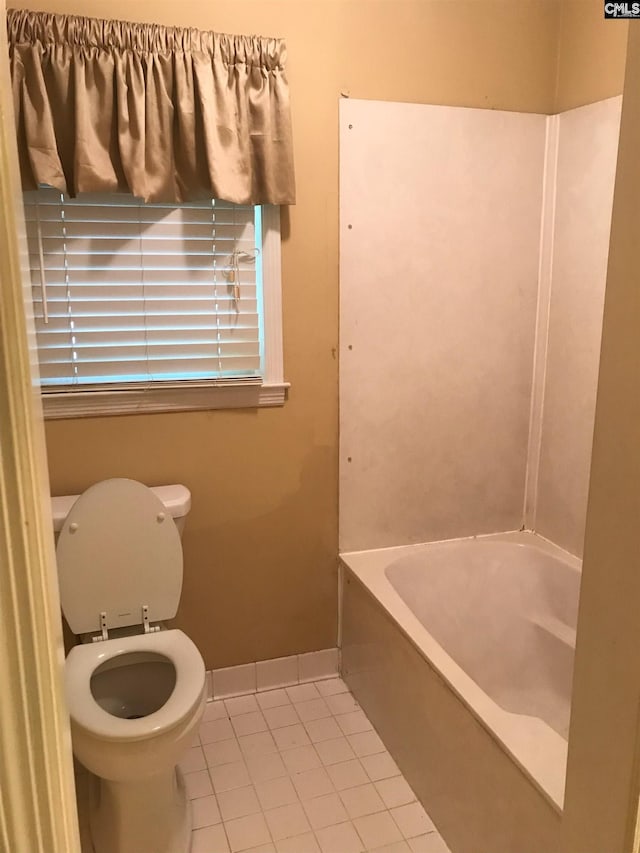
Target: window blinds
column 127, row 293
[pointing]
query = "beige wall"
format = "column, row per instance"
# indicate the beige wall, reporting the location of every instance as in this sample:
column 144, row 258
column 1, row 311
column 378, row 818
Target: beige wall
column 261, row 542
column 591, row 54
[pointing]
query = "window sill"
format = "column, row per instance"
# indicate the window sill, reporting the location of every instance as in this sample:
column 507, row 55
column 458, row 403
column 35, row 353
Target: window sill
column 196, row 397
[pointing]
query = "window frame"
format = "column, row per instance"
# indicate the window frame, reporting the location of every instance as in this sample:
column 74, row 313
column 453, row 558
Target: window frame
column 196, row 395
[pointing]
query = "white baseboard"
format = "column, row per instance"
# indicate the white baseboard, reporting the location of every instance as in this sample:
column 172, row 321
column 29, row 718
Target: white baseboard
column 271, row 674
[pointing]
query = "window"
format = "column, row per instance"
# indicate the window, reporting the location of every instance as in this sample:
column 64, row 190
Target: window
column 150, row 307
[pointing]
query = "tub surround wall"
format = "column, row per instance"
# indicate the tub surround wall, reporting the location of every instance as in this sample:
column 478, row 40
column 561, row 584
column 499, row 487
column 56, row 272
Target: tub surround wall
column 438, row 315
column 443, row 432
column 584, row 179
column 477, row 796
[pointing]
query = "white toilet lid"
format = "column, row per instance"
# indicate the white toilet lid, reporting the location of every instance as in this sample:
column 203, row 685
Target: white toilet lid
column 119, row 549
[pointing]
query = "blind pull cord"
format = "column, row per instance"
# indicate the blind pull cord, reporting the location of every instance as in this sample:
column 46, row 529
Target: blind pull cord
column 233, row 274
column 43, row 277
column 233, row 277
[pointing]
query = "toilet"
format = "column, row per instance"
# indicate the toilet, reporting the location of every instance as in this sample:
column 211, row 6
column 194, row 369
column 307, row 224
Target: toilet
column 135, row 690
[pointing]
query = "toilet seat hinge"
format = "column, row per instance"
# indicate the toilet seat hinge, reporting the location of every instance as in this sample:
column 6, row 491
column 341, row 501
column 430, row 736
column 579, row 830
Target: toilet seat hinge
column 104, row 634
column 148, row 629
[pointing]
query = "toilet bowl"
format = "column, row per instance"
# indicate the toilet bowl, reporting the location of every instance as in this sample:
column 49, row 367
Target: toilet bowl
column 135, row 692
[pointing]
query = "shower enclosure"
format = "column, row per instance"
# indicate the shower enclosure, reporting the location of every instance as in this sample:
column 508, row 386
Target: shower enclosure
column 474, row 250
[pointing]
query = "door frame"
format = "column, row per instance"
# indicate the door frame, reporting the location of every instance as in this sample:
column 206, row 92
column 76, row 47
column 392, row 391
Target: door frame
column 38, row 805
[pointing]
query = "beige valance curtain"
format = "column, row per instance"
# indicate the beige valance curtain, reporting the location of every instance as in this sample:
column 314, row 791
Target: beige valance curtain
column 167, row 114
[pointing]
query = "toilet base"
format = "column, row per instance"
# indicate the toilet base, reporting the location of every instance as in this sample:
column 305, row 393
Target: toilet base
column 149, row 815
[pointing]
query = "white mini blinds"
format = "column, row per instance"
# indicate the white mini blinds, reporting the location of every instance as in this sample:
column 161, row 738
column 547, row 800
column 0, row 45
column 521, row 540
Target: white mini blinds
column 127, row 293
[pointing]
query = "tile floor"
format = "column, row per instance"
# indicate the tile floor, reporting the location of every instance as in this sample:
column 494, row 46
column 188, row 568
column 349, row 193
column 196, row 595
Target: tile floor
column 299, row 770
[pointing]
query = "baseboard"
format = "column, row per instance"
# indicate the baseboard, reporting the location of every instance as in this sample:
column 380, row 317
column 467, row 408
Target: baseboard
column 271, row 674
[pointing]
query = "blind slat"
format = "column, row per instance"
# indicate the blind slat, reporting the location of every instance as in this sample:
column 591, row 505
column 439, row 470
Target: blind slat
column 54, row 229
column 176, row 278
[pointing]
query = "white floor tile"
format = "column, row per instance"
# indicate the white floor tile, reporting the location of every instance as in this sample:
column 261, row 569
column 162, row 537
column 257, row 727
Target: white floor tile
column 335, row 750
column 263, row 768
column 205, row 812
column 211, row 839
column 216, row 730
column 262, row 848
column 341, row 838
column 302, row 758
column 312, row 783
column 298, row 844
column 225, row 777
column 222, row 752
column 214, row 711
column 238, row 802
column 283, row 715
column 260, row 743
column 353, row 723
column 366, row 743
column 193, row 760
column 313, row 709
column 286, row 821
column 276, row 792
column 325, row 811
column 431, row 843
column 331, row 686
column 302, row 692
column 249, row 724
column 291, row 736
column 395, row 792
column 380, row 766
column 241, row 705
column 198, row 784
column 273, row 699
column 323, row 729
column 347, row 774
column 412, row 820
column 247, row 832
column 376, row 830
column 362, row 800
column 342, row 703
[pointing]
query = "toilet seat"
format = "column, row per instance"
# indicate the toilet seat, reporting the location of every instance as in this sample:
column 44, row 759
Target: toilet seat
column 84, row 660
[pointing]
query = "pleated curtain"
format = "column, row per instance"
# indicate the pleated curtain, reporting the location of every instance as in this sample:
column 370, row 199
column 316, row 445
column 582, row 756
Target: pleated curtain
column 167, row 114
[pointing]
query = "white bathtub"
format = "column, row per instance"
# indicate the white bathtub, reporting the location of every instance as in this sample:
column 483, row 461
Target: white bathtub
column 496, row 617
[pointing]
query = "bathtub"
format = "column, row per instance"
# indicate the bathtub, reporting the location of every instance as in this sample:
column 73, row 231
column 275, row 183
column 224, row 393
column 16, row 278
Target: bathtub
column 461, row 653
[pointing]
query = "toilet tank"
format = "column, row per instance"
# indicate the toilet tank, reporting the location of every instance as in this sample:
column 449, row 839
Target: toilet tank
column 177, row 500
